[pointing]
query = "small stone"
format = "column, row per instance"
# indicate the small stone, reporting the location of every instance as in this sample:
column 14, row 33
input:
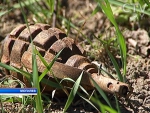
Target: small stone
column 132, row 81
column 140, row 108
column 140, row 101
column 141, row 96
column 146, row 86
column 144, row 92
column 148, row 101
column 148, row 81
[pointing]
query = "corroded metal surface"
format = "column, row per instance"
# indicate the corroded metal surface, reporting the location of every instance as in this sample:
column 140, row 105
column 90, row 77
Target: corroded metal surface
column 17, row 52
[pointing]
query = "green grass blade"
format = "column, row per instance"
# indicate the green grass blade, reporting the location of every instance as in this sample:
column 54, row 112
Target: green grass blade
column 68, row 27
column 108, row 11
column 71, row 80
column 87, row 100
column 101, row 92
column 67, row 79
column 103, row 107
column 84, row 90
column 25, row 18
column 35, row 71
column 50, row 83
column 97, row 9
column 48, row 67
column 26, row 74
column 117, row 104
column 115, row 65
column 73, row 92
column 51, row 4
column 38, row 98
column 123, row 52
column 147, row 2
column 4, row 12
column 25, row 3
column 41, row 58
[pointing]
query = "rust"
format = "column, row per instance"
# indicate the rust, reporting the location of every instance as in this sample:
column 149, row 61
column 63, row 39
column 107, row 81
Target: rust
column 112, row 86
column 15, row 32
column 57, row 32
column 26, row 34
column 43, row 26
column 58, row 46
column 44, row 39
column 41, row 51
column 68, row 41
column 7, row 50
column 17, row 51
column 76, row 60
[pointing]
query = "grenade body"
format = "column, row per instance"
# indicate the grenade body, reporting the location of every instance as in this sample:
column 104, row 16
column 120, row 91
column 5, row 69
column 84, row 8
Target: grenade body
column 17, row 52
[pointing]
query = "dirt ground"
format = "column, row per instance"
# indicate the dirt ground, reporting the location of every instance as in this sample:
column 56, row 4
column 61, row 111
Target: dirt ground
column 138, row 52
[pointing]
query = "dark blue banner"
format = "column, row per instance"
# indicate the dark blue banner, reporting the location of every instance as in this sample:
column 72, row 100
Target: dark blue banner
column 30, row 91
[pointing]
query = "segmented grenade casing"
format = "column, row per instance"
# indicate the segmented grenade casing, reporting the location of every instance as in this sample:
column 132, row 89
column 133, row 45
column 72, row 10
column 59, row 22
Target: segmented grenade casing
column 17, row 52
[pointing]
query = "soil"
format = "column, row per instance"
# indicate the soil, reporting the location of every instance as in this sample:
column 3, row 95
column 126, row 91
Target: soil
column 138, row 53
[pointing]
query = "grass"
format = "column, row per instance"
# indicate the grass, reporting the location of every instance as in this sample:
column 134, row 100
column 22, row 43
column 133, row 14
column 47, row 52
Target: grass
column 44, row 13
column 122, row 46
column 73, row 92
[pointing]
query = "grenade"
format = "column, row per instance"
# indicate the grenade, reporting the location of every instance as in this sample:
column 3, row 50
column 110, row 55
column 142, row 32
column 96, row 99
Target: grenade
column 17, row 52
